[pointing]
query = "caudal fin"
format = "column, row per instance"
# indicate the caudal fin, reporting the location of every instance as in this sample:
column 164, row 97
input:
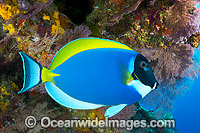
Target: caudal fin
column 32, row 72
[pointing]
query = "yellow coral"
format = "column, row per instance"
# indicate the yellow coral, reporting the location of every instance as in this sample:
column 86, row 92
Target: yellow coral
column 4, row 92
column 3, row 104
column 46, row 17
column 195, row 42
column 55, row 29
column 43, row 1
column 9, row 27
column 7, row 11
column 14, row 86
column 12, row 2
column 161, row 44
column 55, row 15
column 57, row 22
column 18, row 39
column 93, row 114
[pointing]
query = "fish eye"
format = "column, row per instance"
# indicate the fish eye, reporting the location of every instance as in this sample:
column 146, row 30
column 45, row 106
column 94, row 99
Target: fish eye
column 143, row 64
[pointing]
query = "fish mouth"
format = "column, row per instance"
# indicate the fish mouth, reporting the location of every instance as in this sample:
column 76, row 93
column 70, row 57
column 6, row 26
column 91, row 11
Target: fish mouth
column 156, row 84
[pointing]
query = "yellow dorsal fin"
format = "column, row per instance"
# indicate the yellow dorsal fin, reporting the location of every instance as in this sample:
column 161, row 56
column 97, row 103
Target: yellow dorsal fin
column 83, row 44
column 47, row 75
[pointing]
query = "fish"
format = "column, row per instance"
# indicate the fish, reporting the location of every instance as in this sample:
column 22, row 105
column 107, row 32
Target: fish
column 89, row 73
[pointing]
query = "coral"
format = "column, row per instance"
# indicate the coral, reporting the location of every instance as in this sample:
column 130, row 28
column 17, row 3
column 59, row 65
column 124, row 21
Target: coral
column 147, row 28
column 148, row 115
column 7, row 11
column 193, row 70
column 117, row 2
column 56, row 27
column 72, row 34
column 164, row 97
column 14, row 86
column 105, row 10
column 10, row 28
column 43, row 55
column 172, row 67
column 194, row 39
column 101, row 111
column 32, row 30
column 13, row 120
column 46, row 17
column 41, row 30
column 118, row 16
column 3, row 92
column 3, row 100
column 8, row 86
column 183, row 17
column 56, row 15
column 126, row 113
column 43, row 1
column 31, row 9
column 144, row 27
column 170, row 63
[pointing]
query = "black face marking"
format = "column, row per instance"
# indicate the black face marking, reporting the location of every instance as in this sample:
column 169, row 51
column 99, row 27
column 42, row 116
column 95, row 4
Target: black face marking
column 143, row 71
column 134, row 77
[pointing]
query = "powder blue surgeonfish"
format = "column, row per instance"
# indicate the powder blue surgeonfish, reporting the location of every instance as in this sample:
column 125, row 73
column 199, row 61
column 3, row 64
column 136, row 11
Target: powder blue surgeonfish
column 89, row 73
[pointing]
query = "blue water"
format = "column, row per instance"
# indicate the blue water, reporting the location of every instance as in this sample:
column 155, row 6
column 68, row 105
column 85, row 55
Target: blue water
column 187, row 109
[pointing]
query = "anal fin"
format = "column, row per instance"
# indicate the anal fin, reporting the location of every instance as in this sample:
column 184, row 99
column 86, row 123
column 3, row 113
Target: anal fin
column 113, row 110
column 64, row 99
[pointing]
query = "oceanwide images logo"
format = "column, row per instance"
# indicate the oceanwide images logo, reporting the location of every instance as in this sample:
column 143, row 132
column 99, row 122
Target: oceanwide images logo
column 46, row 122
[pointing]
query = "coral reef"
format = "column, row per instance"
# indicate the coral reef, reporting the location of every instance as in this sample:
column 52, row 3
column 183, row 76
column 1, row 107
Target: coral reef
column 165, row 32
column 72, row 34
column 183, row 17
column 3, row 103
column 150, row 115
column 8, row 10
column 30, row 9
column 144, row 27
column 169, row 63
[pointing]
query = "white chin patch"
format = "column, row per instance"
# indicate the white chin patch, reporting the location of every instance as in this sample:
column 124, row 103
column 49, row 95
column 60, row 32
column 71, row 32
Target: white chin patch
column 141, row 88
column 154, row 87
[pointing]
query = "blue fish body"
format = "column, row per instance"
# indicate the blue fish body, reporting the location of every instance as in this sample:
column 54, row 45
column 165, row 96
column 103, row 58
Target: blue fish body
column 90, row 73
column 95, row 76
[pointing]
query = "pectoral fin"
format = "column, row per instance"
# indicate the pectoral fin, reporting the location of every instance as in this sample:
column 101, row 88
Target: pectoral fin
column 125, row 74
column 111, row 111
